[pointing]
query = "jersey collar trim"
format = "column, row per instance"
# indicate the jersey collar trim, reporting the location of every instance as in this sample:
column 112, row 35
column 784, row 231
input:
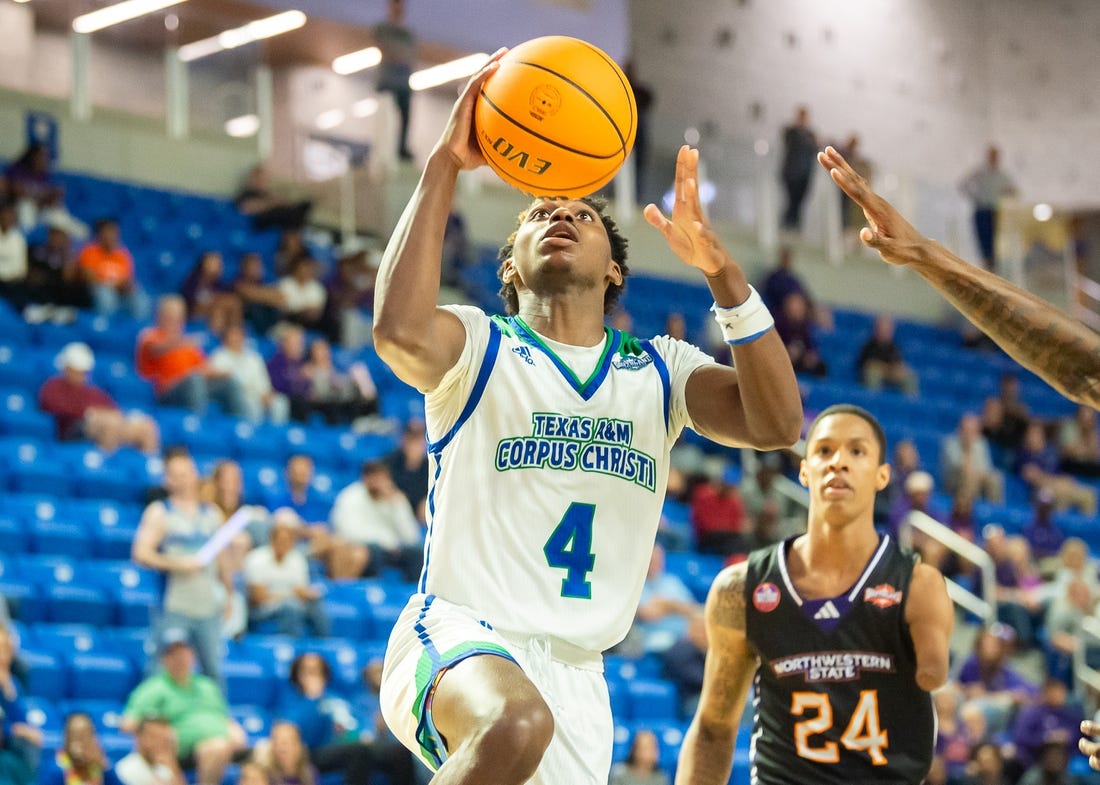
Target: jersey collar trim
column 587, row 388
column 856, row 588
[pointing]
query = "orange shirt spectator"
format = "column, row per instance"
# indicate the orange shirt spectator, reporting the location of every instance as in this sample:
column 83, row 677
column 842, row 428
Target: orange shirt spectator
column 107, row 266
column 165, row 360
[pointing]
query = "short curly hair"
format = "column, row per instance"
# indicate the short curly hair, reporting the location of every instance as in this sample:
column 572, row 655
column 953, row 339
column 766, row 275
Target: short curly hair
column 618, row 254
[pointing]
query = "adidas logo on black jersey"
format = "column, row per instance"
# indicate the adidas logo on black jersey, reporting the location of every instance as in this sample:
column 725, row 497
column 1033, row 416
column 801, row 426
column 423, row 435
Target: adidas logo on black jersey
column 827, row 611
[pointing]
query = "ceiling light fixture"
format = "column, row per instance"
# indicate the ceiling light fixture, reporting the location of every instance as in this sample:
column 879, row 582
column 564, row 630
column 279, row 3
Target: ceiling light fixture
column 447, row 72
column 353, row 62
column 119, row 13
column 246, row 34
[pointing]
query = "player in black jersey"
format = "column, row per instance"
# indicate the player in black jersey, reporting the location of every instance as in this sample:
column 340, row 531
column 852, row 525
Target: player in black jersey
column 842, row 634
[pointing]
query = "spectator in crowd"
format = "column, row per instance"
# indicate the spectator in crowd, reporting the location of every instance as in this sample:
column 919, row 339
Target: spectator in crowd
column 279, row 588
column 349, row 301
column 267, row 209
column 986, row 187
column 13, row 258
column 225, row 490
column 1079, row 443
column 718, row 513
column 1075, row 563
column 168, row 538
column 178, row 368
column 398, row 44
column 906, row 461
column 1017, row 417
column 851, row 214
column 966, row 464
column 286, row 368
column 389, row 754
column 80, row 761
column 761, row 496
column 303, row 294
column 953, row 741
column 20, row 742
column 154, row 760
column 989, row 680
column 987, row 766
column 53, row 274
column 30, row 180
column 298, row 493
column 796, row 329
column 642, row 764
column 375, row 519
column 253, row 773
column 292, row 245
column 666, row 606
column 1043, row 533
column 261, row 302
column 408, row 466
column 782, row 280
column 1037, row 464
column 208, row 296
column 1025, row 593
column 337, row 396
column 1052, row 764
column 684, row 662
column 1000, row 434
column 289, row 759
column 193, row 705
column 916, row 496
column 83, row 411
column 880, row 363
column 799, row 163
column 242, row 362
column 109, row 269
column 1063, row 627
column 458, row 252
column 327, row 723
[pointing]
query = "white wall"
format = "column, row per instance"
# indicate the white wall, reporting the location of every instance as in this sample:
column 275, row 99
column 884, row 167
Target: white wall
column 927, row 83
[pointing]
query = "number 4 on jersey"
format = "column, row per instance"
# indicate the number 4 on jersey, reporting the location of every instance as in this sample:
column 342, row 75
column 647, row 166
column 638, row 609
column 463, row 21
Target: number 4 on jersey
column 570, row 548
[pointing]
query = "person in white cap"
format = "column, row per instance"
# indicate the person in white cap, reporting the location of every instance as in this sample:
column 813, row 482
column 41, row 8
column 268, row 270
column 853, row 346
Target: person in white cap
column 84, row 411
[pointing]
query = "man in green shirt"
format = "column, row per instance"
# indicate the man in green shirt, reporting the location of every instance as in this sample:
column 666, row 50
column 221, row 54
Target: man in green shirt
column 192, row 704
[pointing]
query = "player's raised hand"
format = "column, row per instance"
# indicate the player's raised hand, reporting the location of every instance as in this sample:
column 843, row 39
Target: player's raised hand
column 687, row 231
column 459, row 139
column 887, row 232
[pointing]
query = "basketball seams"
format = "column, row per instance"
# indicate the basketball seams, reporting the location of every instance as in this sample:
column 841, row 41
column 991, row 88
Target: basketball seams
column 511, row 177
column 548, row 140
column 627, row 89
column 582, row 91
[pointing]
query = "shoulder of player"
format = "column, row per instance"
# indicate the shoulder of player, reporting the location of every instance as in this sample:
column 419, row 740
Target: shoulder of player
column 927, row 590
column 726, row 599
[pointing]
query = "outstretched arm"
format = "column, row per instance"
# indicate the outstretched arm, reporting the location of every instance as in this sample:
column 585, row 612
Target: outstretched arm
column 419, row 341
column 758, row 404
column 706, row 755
column 1061, row 350
column 931, row 616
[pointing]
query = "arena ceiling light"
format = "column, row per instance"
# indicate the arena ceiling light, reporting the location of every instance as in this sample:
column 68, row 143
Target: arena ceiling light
column 245, row 34
column 243, row 127
column 447, row 72
column 118, row 13
column 353, row 62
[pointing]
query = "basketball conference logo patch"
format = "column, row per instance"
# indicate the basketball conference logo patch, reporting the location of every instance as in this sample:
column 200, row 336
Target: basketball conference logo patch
column 882, row 596
column 765, row 597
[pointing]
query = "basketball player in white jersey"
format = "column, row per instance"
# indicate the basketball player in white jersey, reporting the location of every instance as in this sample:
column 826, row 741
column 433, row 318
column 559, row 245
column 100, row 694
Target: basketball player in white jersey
column 549, row 437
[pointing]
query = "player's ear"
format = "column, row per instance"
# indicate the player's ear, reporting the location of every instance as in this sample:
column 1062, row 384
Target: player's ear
column 508, row 270
column 882, row 477
column 802, row 477
column 615, row 273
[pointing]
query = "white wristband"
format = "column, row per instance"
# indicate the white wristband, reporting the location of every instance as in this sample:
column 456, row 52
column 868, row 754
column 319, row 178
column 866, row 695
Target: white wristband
column 745, row 322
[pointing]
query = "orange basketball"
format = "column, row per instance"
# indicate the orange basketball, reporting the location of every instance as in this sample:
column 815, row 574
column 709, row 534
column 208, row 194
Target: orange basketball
column 557, row 118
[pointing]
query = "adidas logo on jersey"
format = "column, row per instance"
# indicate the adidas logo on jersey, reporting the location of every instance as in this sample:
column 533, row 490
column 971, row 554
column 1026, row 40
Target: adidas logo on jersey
column 827, row 611
column 525, row 353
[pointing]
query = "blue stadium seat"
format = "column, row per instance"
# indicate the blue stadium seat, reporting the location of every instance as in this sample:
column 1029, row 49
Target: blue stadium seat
column 135, row 590
column 20, row 416
column 347, row 620
column 13, row 535
column 34, row 467
column 42, row 712
column 95, row 478
column 274, row 652
column 47, row 676
column 652, row 700
column 57, row 537
column 79, row 602
column 131, row 642
column 255, row 720
column 248, row 682
column 101, row 676
column 259, row 443
column 106, row 714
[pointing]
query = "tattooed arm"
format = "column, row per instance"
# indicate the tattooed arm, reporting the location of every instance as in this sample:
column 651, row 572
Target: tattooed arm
column 1065, row 353
column 706, row 755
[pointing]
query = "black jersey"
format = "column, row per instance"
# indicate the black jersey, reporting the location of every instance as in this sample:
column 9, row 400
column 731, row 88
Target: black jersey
column 836, row 695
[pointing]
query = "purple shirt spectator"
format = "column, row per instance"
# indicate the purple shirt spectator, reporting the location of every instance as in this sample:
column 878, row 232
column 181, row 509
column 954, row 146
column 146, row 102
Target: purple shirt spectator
column 287, row 375
column 1003, row 679
column 1044, row 537
column 1050, row 718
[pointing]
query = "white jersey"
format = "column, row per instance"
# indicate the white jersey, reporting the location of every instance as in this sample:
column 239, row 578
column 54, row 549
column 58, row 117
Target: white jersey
column 546, row 490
